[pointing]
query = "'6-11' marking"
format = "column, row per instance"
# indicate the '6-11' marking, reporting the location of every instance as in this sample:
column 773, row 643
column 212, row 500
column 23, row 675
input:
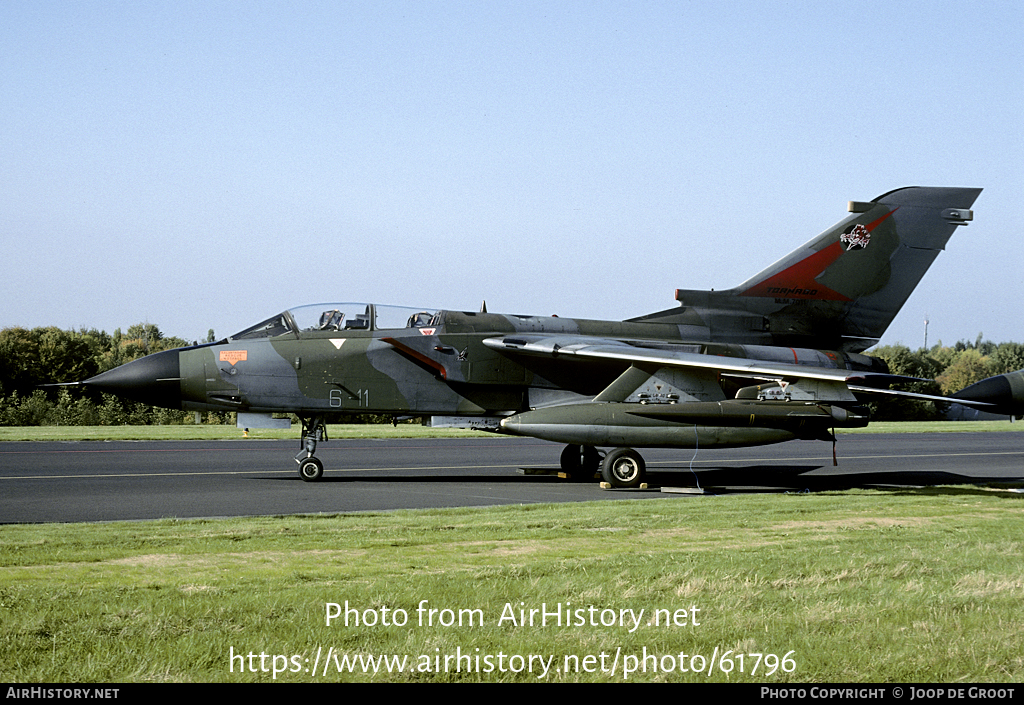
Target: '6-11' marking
column 361, row 397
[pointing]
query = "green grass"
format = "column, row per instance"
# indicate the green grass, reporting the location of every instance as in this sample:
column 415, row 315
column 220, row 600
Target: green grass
column 903, row 586
column 936, row 427
column 205, row 432
column 866, row 586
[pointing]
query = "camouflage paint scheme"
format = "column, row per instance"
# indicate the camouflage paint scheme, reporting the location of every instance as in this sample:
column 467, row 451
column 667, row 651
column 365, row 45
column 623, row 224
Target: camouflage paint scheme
column 774, row 359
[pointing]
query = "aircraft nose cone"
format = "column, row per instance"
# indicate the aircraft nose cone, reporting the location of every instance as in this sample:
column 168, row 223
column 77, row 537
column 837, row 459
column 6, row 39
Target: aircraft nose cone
column 154, row 379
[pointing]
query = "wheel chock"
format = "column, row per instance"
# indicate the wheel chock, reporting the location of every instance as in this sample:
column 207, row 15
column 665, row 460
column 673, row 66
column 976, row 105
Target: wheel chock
column 607, row 486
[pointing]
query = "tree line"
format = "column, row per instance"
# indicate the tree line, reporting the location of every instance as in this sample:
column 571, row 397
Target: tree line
column 33, row 357
column 952, row 368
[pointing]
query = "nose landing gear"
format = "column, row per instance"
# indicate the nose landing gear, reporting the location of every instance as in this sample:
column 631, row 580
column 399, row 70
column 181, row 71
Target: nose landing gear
column 314, row 430
column 311, row 469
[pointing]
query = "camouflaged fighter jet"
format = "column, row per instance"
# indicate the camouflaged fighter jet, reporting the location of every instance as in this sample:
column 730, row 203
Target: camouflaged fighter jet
column 774, row 359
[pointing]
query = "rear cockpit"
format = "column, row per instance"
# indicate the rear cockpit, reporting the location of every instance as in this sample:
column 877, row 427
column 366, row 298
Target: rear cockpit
column 308, row 321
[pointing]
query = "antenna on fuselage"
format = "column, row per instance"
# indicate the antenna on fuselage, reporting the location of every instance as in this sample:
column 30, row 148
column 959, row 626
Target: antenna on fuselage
column 483, row 306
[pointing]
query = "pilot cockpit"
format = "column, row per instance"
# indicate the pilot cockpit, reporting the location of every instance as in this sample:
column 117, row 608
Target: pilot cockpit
column 329, row 318
column 420, row 319
column 333, row 319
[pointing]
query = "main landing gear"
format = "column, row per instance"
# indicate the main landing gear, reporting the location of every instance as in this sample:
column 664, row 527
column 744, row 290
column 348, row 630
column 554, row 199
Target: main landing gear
column 624, row 467
column 313, row 430
column 621, row 467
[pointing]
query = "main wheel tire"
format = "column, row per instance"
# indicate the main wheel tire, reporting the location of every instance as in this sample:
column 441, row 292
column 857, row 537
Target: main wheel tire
column 311, row 469
column 623, row 467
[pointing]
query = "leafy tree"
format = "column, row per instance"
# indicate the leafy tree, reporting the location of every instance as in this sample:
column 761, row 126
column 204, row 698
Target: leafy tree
column 1007, row 357
column 943, row 355
column 41, row 356
column 969, row 367
column 33, row 410
column 19, row 354
column 71, row 411
column 29, row 358
column 904, row 362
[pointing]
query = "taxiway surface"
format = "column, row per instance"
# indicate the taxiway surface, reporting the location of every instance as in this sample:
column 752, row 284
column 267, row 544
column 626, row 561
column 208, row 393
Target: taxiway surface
column 109, row 481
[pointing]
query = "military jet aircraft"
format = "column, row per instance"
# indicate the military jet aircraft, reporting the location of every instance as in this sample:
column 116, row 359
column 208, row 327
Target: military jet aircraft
column 777, row 358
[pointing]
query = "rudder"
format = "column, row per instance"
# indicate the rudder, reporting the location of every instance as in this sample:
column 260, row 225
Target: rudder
column 842, row 289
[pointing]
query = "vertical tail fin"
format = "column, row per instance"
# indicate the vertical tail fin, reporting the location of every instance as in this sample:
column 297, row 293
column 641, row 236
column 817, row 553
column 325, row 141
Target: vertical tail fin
column 842, row 289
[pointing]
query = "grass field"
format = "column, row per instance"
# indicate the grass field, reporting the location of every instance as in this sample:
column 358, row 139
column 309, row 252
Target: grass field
column 203, row 432
column 915, row 585
column 208, row 432
column 902, row 586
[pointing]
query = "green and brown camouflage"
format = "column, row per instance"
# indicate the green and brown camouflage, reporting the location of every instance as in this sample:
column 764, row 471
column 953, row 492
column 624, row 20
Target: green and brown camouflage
column 774, row 359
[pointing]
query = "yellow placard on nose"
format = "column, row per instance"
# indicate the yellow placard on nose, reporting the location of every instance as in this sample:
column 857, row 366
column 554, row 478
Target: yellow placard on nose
column 233, row 356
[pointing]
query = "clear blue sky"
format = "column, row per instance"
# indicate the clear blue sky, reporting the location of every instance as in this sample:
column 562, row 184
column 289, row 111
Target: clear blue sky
column 205, row 165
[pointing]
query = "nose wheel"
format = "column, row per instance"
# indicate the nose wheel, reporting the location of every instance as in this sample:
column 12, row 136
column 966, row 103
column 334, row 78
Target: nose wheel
column 314, row 430
column 311, row 469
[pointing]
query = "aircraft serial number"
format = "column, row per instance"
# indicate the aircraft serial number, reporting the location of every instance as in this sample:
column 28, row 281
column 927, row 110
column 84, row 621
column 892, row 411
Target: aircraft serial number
column 361, row 398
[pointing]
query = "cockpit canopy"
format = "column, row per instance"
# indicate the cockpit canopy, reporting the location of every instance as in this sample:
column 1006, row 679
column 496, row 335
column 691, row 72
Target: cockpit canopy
column 305, row 320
